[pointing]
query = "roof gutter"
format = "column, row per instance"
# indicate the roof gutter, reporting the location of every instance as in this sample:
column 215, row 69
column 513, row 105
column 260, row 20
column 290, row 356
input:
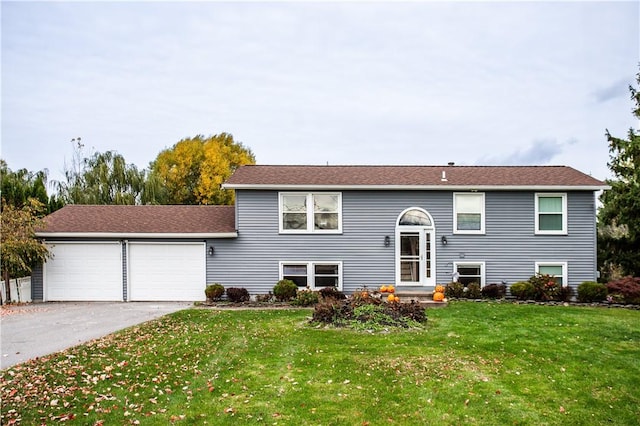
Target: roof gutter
column 150, row 235
column 420, row 187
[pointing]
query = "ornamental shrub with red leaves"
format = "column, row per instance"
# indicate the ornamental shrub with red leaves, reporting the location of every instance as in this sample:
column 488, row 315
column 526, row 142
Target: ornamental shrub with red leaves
column 628, row 288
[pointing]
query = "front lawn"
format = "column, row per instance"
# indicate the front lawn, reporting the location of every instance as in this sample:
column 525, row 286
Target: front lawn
column 474, row 363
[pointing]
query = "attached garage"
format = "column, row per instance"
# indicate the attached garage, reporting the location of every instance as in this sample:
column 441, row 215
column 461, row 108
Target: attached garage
column 84, row 272
column 166, row 271
column 130, row 253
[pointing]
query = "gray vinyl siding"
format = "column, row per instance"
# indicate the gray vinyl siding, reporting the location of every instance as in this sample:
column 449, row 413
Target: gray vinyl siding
column 509, row 247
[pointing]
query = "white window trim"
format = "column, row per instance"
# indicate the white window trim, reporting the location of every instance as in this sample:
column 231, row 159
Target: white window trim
column 311, row 271
column 564, row 230
column 310, row 218
column 481, row 231
column 565, row 275
column 472, row 262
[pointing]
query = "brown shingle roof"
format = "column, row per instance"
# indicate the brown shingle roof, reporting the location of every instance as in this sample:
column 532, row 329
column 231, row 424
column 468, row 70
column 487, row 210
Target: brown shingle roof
column 412, row 176
column 193, row 220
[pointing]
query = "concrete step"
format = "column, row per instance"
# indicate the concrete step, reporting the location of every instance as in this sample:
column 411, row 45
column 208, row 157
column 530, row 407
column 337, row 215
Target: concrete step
column 425, row 298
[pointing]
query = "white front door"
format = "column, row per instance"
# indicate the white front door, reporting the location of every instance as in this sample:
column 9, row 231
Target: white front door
column 415, row 248
column 415, row 258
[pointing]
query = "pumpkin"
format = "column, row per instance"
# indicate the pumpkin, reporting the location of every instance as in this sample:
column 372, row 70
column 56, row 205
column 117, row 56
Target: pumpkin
column 440, row 288
column 390, row 289
column 364, row 294
column 438, row 296
column 396, row 299
column 383, row 289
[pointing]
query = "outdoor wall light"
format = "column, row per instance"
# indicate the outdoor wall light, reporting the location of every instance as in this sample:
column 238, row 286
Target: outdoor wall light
column 387, row 241
column 444, row 240
column 211, row 251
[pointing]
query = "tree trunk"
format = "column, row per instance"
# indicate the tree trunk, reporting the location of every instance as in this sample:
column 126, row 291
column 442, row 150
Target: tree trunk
column 7, row 285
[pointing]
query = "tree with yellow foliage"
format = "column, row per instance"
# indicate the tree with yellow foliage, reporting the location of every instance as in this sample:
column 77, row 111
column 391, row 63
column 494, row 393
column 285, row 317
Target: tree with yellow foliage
column 193, row 170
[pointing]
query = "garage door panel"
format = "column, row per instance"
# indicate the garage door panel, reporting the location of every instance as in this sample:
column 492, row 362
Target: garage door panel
column 167, row 272
column 84, row 272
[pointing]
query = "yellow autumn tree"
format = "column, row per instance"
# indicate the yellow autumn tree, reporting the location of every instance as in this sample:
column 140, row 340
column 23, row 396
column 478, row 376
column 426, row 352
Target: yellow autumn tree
column 193, row 170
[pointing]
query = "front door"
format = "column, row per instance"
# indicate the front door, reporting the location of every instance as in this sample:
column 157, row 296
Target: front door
column 415, row 249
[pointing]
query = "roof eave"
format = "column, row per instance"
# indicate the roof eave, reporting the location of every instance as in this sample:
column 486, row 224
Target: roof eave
column 443, row 187
column 127, row 235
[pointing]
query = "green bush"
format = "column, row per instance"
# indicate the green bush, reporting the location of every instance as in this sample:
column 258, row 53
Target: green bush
column 522, row 290
column 238, row 295
column 590, row 291
column 214, row 291
column 473, row 291
column 454, row 289
column 285, row 290
column 306, row 298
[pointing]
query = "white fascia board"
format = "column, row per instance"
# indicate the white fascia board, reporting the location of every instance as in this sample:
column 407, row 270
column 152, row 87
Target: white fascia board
column 420, row 187
column 122, row 235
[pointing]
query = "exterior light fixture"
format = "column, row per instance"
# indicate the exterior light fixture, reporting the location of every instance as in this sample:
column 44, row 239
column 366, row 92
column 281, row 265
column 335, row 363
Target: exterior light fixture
column 211, row 251
column 444, row 241
column 387, row 241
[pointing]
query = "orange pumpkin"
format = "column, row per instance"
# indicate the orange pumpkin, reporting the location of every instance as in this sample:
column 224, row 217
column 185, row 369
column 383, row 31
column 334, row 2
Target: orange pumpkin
column 396, row 299
column 438, row 296
column 364, row 294
column 440, row 288
column 391, row 298
column 383, row 289
column 390, row 289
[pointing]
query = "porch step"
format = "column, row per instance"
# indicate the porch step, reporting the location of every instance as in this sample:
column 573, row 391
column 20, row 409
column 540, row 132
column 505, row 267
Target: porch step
column 424, row 298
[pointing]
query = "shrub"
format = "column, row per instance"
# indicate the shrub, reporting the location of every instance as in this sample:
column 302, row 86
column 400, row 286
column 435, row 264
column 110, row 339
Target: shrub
column 305, row 298
column 473, row 291
column 628, row 288
column 376, row 315
column 332, row 293
column 545, row 287
column 214, row 291
column 285, row 290
column 565, row 293
column 590, row 291
column 454, row 289
column 522, row 290
column 494, row 291
column 238, row 294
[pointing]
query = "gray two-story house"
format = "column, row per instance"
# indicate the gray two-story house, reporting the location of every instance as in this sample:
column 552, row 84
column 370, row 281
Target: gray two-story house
column 342, row 226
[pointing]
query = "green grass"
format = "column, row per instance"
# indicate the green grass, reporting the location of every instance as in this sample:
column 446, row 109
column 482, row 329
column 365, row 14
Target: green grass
column 474, row 363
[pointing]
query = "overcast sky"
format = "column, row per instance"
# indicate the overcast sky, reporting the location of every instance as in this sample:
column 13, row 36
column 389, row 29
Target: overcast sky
column 477, row 83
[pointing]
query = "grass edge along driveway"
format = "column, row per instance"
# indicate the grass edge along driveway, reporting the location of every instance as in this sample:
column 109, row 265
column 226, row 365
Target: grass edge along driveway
column 473, row 363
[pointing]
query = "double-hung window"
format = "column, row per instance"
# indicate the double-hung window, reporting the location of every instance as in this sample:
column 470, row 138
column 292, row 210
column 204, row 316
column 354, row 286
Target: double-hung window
column 314, row 275
column 551, row 213
column 317, row 212
column 558, row 270
column 468, row 213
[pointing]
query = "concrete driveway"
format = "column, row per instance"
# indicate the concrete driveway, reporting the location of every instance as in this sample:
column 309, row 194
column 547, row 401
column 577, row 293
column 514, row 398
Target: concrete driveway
column 40, row 329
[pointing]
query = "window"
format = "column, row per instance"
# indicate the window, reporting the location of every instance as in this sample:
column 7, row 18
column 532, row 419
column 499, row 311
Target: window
column 558, row 270
column 551, row 214
column 314, row 275
column 469, row 272
column 310, row 212
column 468, row 216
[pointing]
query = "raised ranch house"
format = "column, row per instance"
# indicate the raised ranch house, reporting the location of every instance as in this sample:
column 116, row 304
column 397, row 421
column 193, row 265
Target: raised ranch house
column 342, row 226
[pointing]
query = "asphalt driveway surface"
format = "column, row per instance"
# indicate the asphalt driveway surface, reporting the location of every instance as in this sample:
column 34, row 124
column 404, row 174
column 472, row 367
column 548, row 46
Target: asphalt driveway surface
column 40, row 329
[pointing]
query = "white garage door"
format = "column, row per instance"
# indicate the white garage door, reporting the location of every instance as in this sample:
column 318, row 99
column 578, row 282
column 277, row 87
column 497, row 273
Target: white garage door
column 84, row 271
column 167, row 271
